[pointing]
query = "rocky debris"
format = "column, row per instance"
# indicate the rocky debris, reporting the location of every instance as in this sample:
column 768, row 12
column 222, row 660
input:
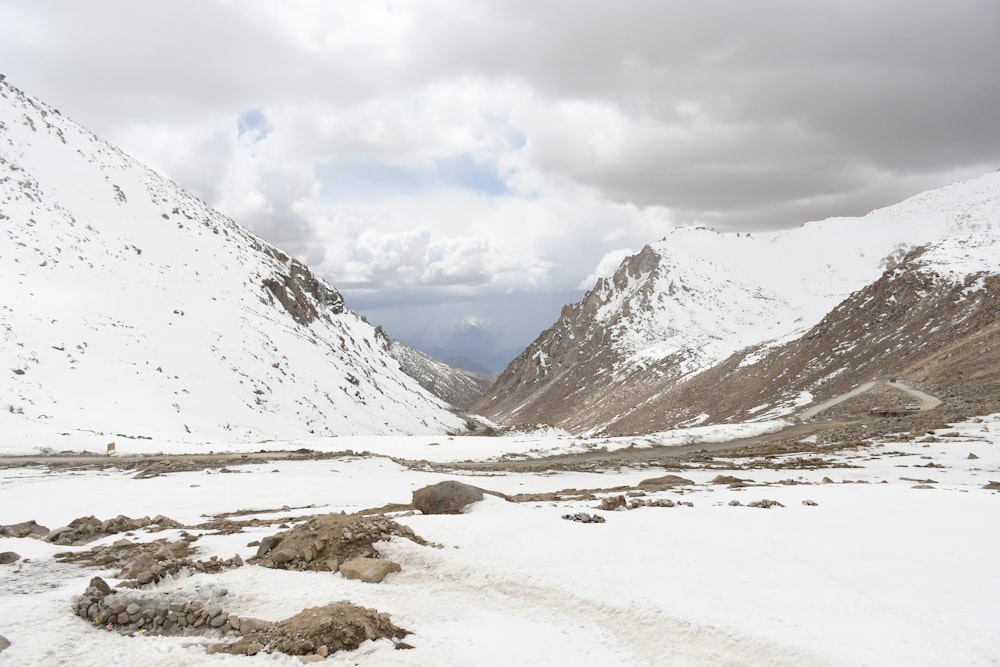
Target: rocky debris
column 826, row 480
column 142, row 563
column 764, row 503
column 733, row 482
column 636, row 503
column 448, row 497
column 971, row 456
column 88, row 528
column 810, row 503
column 324, row 542
column 24, row 529
column 4, row 643
column 8, row 557
column 369, row 570
column 992, row 486
column 317, row 631
column 665, row 482
column 922, row 486
column 735, row 503
column 612, row 503
column 583, row 517
column 129, row 612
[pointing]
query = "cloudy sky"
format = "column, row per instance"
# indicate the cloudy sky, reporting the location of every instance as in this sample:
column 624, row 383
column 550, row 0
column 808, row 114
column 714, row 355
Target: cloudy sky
column 460, row 170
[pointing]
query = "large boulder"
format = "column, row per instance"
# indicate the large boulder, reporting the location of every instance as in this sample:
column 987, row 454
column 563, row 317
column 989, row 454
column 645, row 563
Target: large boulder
column 665, row 482
column 4, row 643
column 8, row 557
column 449, row 497
column 369, row 570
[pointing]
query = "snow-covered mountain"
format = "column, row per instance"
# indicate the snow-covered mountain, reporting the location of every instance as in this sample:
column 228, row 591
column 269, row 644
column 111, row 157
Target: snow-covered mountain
column 637, row 352
column 455, row 386
column 128, row 306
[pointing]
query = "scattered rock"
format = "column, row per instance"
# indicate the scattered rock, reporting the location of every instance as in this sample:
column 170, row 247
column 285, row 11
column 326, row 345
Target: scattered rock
column 971, row 456
column 448, row 497
column 24, row 529
column 4, row 643
column 659, row 502
column 142, row 563
column 317, row 631
column 735, row 503
column 666, row 481
column 992, row 486
column 583, row 517
column 612, row 503
column 369, row 570
column 88, row 528
column 826, row 480
column 730, row 480
column 8, row 557
column 810, row 503
column 921, row 486
column 764, row 503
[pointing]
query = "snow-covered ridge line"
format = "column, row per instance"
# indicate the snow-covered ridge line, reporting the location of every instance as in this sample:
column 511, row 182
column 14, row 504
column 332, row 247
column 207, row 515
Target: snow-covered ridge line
column 130, row 307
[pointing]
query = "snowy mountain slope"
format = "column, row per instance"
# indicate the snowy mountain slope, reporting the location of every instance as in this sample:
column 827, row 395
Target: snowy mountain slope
column 128, row 306
column 693, row 299
column 453, row 385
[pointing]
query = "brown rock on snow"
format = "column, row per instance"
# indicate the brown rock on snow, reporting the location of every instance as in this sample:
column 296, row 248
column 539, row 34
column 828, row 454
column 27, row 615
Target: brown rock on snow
column 666, row 481
column 318, row 631
column 8, row 557
column 448, row 497
column 369, row 570
column 24, row 529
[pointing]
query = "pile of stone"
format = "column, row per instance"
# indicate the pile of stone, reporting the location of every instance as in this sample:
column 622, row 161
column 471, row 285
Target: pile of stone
column 130, row 613
column 636, row 503
column 318, row 632
column 583, row 517
column 762, row 504
column 143, row 563
column 329, row 542
column 88, row 528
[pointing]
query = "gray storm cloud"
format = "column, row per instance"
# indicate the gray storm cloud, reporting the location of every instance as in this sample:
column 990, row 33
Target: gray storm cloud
column 486, row 151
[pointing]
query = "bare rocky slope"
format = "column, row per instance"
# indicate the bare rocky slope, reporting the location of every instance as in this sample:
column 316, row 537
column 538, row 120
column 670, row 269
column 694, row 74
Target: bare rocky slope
column 130, row 308
column 455, row 386
column 707, row 328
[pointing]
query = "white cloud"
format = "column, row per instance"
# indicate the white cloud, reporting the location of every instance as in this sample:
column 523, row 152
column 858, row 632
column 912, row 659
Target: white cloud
column 606, row 267
column 504, row 146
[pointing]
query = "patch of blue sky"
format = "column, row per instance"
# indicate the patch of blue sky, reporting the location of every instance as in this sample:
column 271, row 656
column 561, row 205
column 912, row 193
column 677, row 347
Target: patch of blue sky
column 252, row 122
column 343, row 176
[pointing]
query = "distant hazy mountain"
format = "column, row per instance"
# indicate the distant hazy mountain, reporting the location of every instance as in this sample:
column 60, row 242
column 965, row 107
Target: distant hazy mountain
column 707, row 327
column 455, row 385
column 129, row 306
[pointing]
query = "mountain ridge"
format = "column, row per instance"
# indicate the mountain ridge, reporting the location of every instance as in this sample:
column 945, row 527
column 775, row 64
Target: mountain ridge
column 697, row 298
column 130, row 306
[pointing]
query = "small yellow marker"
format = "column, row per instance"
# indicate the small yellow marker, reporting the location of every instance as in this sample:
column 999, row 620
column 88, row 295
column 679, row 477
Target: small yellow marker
column 111, row 448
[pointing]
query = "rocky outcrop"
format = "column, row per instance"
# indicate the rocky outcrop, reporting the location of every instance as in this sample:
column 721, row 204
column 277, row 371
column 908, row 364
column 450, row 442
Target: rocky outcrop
column 448, row 497
column 455, row 386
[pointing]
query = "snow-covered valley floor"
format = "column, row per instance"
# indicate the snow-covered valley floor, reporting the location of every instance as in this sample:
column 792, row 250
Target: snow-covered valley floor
column 877, row 572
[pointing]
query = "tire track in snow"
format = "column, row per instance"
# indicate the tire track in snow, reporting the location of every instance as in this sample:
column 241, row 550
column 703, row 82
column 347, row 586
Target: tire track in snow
column 636, row 633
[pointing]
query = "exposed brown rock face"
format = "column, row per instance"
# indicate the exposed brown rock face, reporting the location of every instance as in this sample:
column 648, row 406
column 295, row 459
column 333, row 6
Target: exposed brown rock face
column 937, row 335
column 300, row 292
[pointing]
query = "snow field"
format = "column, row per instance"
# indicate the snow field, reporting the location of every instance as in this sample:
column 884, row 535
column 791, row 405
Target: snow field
column 876, row 574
